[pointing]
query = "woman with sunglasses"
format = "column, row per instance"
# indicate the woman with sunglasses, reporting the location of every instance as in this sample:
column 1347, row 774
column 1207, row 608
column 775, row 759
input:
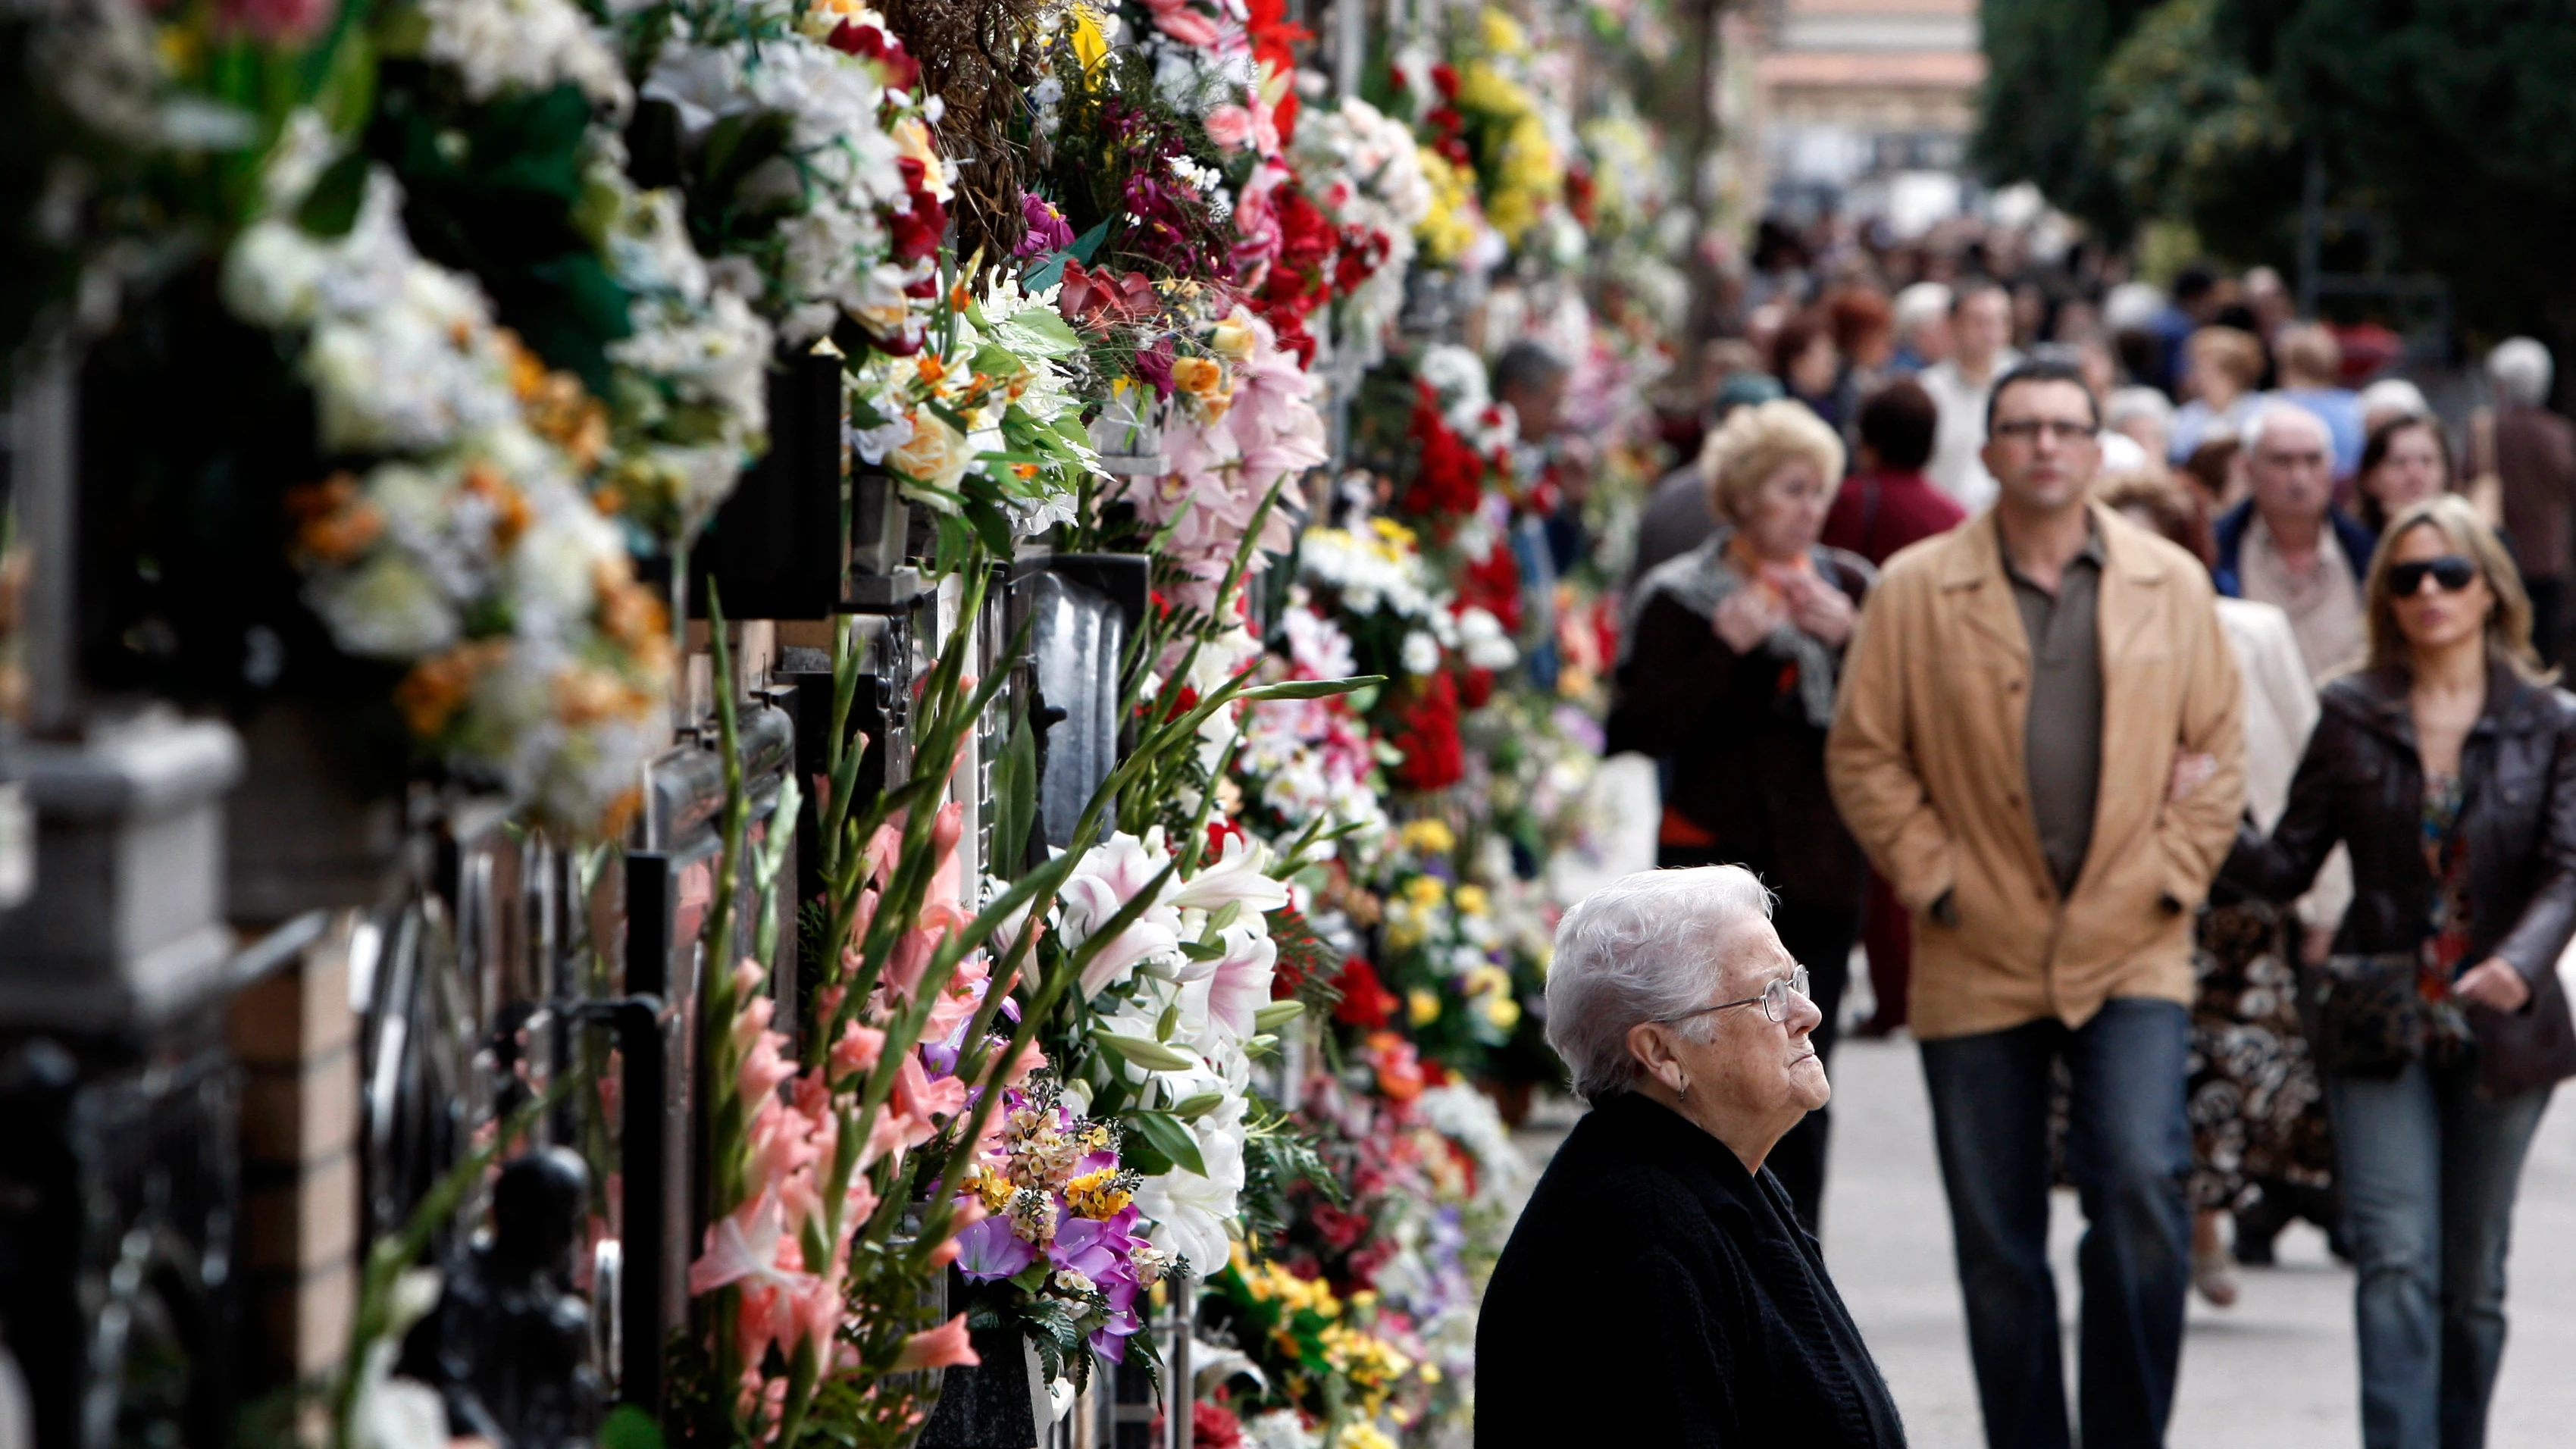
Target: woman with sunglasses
column 1658, row 1290
column 2448, row 766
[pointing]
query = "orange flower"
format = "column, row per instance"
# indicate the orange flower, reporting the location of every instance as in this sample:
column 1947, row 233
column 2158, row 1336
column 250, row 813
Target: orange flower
column 333, row 523
column 438, row 686
column 510, row 513
column 932, row 369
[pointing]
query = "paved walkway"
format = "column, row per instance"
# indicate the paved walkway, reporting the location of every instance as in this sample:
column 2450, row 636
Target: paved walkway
column 2276, row 1371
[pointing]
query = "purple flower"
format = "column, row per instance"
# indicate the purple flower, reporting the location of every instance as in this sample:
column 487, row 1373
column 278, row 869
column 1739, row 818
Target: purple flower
column 1047, row 229
column 1097, row 1250
column 990, row 1250
column 1154, row 365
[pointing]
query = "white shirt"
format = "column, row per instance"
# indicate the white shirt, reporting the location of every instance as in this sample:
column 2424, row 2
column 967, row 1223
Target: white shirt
column 1955, row 468
column 2280, row 711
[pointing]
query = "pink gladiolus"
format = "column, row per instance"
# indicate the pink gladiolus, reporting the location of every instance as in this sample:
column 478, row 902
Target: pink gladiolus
column 1030, row 1059
column 761, row 1071
column 942, row 1347
column 746, row 1247
column 274, row 22
column 857, row 1050
column 923, row 1103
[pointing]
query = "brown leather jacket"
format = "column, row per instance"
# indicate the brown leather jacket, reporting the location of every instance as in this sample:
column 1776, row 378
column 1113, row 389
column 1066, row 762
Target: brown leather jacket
column 2361, row 783
column 1927, row 764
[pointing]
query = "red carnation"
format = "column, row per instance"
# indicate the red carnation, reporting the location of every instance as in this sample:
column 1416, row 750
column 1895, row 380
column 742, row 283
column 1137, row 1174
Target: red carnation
column 918, row 229
column 902, row 72
column 1365, row 1003
column 1434, row 758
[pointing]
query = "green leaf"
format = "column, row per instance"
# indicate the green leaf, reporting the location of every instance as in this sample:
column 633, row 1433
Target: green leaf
column 1202, row 950
column 1313, row 688
column 1088, row 243
column 1190, row 1109
column 1277, row 1014
column 331, row 207
column 1153, row 1056
column 1044, row 275
column 1015, row 798
column 1226, row 915
column 1169, row 1138
column 628, row 1427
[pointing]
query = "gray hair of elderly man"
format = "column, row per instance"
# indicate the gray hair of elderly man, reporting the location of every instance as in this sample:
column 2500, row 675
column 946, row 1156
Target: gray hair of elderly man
column 1640, row 949
column 2273, row 411
column 2520, row 369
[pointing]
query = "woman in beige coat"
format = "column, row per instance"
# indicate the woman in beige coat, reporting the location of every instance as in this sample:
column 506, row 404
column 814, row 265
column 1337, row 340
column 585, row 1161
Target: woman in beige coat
column 2261, row 1147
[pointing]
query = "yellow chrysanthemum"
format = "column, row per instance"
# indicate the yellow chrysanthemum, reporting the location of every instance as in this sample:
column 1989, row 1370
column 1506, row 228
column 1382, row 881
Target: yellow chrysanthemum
column 1429, row 837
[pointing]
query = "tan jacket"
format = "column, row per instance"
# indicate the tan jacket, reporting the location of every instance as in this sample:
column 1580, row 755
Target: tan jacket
column 1926, row 764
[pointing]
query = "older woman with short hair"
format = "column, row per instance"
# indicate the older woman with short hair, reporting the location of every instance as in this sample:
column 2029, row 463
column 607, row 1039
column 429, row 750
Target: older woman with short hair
column 1658, row 1289
column 1730, row 663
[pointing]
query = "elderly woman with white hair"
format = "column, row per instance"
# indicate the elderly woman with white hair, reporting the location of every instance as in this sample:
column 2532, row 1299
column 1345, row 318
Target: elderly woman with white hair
column 1727, row 674
column 1658, row 1289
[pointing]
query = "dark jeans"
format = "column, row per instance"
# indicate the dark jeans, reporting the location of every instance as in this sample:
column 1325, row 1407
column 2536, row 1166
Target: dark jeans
column 2429, row 1170
column 2128, row 1147
column 1821, row 940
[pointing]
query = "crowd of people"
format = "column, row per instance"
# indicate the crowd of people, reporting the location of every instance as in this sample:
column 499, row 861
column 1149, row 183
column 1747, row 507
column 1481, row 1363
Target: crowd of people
column 2159, row 691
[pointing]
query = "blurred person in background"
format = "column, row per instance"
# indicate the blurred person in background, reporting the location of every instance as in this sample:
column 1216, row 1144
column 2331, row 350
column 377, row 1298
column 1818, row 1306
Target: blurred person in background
column 1808, row 366
column 2443, row 764
column 2261, row 1145
column 2145, row 415
column 1922, row 327
column 1864, row 328
column 2215, row 472
column 2310, row 364
column 1887, row 505
column 2268, row 299
column 1676, row 517
column 2224, row 365
column 2288, row 545
column 2053, row 873
column 1980, row 339
column 2391, row 397
column 1531, row 379
column 2192, row 305
column 2406, row 460
column 2530, row 452
column 1728, row 671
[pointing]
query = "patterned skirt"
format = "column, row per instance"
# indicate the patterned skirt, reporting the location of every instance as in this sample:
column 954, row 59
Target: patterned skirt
column 2257, row 1108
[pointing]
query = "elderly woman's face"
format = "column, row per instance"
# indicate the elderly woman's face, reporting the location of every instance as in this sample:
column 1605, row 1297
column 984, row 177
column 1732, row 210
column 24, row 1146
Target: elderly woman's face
column 1785, row 516
column 1756, row 1068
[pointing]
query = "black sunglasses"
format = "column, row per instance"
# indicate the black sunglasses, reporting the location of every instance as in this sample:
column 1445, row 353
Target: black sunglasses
column 2451, row 571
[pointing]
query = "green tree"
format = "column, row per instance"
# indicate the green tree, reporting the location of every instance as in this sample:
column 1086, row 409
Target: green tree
column 2183, row 128
column 2455, row 120
column 2044, row 59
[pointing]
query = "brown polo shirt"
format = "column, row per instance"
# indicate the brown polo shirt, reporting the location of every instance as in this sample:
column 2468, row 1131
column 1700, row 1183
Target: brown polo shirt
column 2062, row 739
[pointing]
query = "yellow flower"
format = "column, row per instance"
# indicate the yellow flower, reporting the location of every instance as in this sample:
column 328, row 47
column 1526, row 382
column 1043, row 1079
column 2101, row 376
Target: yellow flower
column 1488, row 980
column 1448, row 226
column 935, row 458
column 1423, row 1005
column 1090, row 44
column 1429, row 837
column 1501, row 33
column 1395, row 542
column 1096, row 1195
column 1472, row 900
column 1426, row 891
column 1232, row 338
column 1362, row 1436
column 1503, row 1011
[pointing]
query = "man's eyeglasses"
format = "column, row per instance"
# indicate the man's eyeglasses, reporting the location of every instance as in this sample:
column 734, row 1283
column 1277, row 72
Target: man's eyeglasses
column 1774, row 999
column 2027, row 430
column 2451, row 571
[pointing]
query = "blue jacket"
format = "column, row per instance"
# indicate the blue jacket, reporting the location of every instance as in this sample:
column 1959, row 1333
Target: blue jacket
column 2355, row 537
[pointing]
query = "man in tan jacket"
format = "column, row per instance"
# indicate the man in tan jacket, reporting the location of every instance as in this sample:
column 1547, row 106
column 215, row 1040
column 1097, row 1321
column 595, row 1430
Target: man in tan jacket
column 2039, row 743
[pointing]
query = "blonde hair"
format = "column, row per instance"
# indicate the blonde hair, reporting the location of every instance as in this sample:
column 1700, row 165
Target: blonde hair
column 1751, row 445
column 2456, row 519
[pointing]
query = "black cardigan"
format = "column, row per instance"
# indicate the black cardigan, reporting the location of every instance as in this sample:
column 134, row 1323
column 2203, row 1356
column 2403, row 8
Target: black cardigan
column 1747, row 767
column 1655, row 1293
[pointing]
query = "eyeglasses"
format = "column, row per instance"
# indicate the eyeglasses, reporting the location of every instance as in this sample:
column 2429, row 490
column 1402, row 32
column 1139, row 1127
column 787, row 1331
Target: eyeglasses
column 2451, row 571
column 2027, row 430
column 1774, row 999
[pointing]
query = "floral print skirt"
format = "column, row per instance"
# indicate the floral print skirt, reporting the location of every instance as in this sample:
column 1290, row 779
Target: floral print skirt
column 2257, row 1107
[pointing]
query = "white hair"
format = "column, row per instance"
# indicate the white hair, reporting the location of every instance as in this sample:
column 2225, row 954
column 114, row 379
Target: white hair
column 1641, row 949
column 2132, row 307
column 2272, row 410
column 2396, row 396
column 1920, row 303
column 2137, row 402
column 2520, row 369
